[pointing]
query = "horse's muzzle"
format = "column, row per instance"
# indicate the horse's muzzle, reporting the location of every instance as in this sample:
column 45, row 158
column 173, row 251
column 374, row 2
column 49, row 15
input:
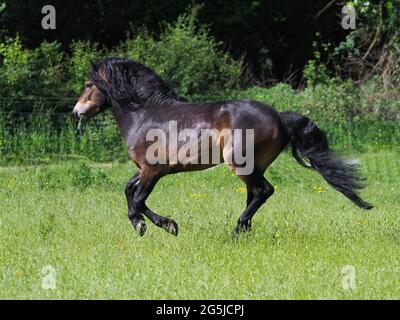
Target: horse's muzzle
column 75, row 115
column 78, row 111
column 87, row 110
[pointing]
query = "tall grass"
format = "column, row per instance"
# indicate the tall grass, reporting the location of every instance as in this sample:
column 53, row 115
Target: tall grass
column 35, row 138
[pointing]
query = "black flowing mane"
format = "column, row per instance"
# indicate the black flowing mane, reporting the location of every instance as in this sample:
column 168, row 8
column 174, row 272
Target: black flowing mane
column 131, row 83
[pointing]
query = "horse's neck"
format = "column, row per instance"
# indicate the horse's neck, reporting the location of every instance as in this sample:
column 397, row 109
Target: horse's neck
column 127, row 121
column 132, row 122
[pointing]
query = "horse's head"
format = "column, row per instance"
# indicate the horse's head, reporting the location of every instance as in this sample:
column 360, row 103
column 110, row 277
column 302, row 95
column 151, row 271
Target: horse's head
column 124, row 82
column 92, row 101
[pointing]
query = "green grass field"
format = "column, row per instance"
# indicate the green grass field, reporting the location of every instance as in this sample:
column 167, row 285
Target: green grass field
column 75, row 219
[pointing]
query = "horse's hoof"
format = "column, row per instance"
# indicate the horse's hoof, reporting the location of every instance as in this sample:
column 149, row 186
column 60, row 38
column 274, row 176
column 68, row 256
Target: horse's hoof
column 171, row 227
column 140, row 227
column 240, row 229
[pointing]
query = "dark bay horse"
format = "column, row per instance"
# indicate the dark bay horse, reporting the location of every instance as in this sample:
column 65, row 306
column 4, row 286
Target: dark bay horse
column 141, row 102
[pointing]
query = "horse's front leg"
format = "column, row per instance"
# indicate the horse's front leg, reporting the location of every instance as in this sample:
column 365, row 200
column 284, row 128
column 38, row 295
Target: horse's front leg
column 134, row 215
column 145, row 186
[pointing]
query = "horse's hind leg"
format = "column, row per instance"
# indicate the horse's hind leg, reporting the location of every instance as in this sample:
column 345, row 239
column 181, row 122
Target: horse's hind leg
column 258, row 191
column 165, row 223
column 136, row 218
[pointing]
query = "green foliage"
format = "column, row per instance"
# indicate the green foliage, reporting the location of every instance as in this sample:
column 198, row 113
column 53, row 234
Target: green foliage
column 358, row 118
column 77, row 175
column 78, row 64
column 371, row 13
column 45, row 76
column 337, row 102
column 281, row 96
column 14, row 68
column 47, row 226
column 316, row 72
column 371, row 51
column 377, row 103
column 33, row 75
column 46, row 180
column 83, row 176
column 2, row 6
column 45, row 79
column 188, row 57
column 46, row 63
column 185, row 55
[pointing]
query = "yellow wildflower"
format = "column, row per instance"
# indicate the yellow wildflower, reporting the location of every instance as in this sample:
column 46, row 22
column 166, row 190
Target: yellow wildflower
column 319, row 189
column 198, row 195
column 241, row 190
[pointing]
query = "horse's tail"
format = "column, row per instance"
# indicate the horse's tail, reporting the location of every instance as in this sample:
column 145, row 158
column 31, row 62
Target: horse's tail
column 309, row 144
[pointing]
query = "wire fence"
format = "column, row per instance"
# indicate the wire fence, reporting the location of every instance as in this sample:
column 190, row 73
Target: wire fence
column 42, row 137
column 37, row 137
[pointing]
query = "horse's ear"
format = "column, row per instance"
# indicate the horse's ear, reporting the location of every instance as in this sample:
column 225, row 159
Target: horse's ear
column 93, row 66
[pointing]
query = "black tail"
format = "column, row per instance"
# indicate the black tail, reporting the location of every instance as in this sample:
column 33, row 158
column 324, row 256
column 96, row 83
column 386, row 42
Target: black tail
column 309, row 143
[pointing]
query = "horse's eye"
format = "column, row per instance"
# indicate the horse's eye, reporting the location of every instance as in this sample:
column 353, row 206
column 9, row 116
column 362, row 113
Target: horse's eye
column 89, row 84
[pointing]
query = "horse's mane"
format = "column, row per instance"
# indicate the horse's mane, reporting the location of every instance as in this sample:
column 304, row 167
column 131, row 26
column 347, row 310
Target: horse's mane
column 131, row 83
